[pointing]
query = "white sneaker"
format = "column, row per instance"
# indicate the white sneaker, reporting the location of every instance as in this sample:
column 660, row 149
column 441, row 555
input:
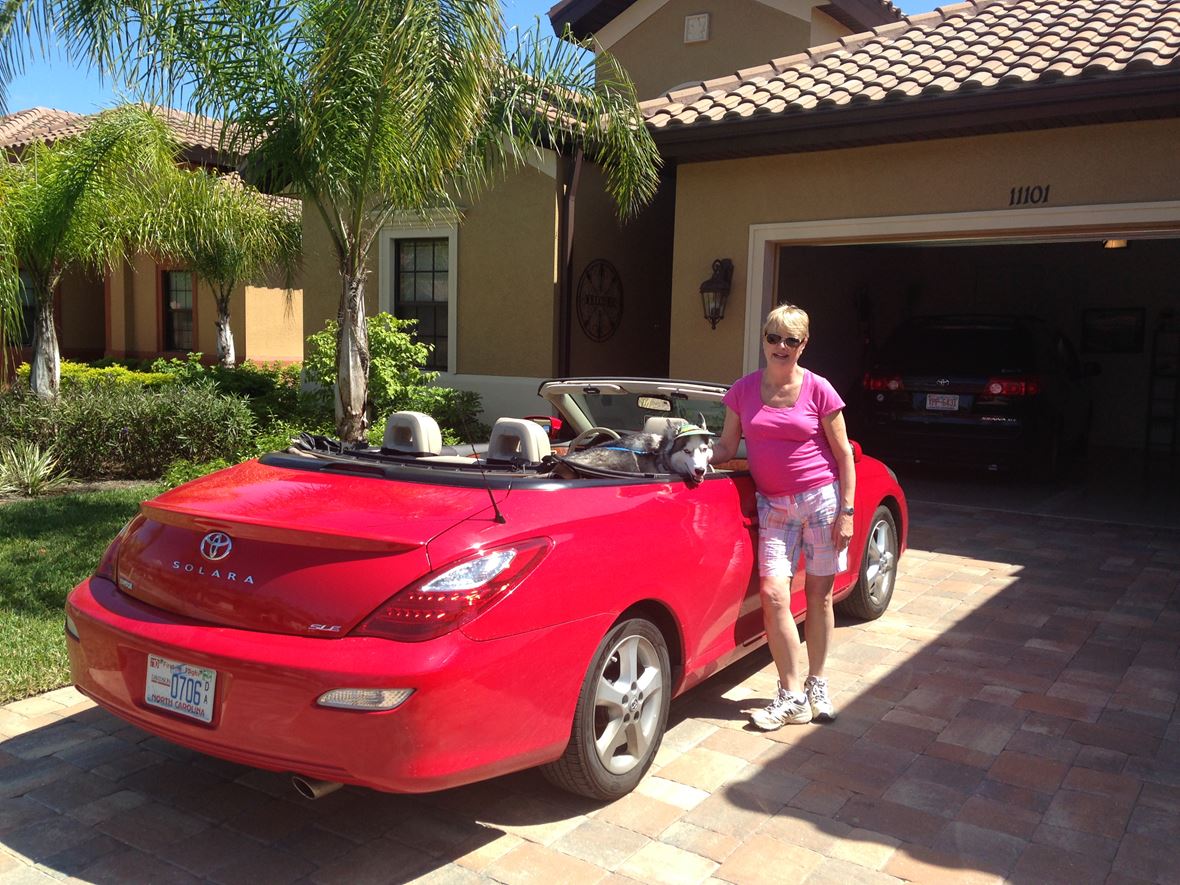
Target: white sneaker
column 817, row 698
column 783, row 710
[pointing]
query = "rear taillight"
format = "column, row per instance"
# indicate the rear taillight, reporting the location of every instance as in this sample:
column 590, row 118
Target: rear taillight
column 447, row 599
column 1012, row 387
column 882, row 382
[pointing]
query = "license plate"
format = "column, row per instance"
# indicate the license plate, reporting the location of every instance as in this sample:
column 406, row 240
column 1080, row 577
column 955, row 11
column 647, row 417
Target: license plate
column 180, row 688
column 942, row 402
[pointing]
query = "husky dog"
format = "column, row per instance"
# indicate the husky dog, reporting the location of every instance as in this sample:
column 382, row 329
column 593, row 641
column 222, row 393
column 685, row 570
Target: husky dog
column 685, row 450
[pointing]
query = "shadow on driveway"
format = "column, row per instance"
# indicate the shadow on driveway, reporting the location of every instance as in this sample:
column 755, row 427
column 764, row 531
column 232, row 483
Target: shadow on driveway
column 1011, row 716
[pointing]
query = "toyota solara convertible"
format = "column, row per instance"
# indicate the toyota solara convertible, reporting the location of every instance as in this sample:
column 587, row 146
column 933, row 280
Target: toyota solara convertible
column 412, row 617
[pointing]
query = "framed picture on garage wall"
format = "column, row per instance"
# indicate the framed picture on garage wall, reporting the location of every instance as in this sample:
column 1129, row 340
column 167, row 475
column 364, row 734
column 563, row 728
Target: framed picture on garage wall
column 1113, row 330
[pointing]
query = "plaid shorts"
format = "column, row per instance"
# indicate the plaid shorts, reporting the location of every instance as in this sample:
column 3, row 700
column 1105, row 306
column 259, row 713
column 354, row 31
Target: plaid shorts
column 786, row 522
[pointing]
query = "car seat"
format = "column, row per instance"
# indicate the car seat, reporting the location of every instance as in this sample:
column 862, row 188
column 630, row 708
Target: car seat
column 515, row 440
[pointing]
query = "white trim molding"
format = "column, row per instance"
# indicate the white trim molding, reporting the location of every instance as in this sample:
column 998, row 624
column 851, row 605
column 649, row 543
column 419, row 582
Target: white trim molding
column 1058, row 224
column 407, row 229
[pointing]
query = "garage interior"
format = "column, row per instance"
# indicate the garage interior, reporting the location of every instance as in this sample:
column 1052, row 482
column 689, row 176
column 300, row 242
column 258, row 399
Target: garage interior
column 1109, row 296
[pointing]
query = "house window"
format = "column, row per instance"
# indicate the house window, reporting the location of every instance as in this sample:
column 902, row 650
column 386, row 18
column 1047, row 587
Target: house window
column 28, row 310
column 177, row 286
column 421, row 283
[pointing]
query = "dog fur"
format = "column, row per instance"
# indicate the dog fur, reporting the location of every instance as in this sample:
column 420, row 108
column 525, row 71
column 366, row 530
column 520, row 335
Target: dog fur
column 673, row 451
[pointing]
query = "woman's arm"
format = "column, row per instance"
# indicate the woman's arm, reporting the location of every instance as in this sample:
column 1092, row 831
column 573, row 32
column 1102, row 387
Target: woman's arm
column 837, row 435
column 725, row 446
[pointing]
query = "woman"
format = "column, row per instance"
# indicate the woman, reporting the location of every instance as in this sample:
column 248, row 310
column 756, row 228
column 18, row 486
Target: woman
column 801, row 462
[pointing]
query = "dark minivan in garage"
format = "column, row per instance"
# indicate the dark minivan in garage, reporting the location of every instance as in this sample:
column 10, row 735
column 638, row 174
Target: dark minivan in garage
column 994, row 391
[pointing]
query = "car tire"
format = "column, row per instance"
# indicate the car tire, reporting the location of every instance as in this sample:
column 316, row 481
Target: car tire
column 621, row 714
column 878, row 570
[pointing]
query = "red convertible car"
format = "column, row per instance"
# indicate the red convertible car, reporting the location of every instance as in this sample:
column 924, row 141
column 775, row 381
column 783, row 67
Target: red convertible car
column 412, row 618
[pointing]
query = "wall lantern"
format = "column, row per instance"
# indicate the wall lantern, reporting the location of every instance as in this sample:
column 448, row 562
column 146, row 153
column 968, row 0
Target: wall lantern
column 715, row 291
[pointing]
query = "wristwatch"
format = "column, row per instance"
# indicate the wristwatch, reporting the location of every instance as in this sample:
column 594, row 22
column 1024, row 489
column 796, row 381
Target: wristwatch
column 848, row 511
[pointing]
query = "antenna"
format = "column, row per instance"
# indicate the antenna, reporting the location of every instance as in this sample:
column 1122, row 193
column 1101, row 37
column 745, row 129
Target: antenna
column 483, row 473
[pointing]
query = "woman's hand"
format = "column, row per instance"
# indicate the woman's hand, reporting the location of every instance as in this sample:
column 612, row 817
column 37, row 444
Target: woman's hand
column 842, row 531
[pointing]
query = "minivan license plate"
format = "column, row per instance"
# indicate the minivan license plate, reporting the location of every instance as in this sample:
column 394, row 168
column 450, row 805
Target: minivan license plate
column 942, row 402
column 180, row 688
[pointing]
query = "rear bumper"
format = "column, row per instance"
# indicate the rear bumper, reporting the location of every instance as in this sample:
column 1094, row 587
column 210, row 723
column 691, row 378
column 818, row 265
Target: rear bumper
column 1007, row 444
column 479, row 709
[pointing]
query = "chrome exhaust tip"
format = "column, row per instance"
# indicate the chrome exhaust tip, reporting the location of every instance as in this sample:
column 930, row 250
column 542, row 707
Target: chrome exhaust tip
column 310, row 788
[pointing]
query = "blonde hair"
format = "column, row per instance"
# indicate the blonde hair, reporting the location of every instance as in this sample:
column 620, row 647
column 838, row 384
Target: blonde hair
column 789, row 318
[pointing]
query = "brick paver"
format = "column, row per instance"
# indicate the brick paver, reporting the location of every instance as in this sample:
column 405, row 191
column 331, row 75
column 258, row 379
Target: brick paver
column 1012, row 717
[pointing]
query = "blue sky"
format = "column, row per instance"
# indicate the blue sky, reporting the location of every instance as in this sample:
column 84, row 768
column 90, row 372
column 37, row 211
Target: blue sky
column 54, row 83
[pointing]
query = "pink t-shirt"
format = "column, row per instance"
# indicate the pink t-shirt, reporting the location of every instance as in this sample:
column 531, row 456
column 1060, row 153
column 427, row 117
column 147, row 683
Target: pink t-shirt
column 787, row 449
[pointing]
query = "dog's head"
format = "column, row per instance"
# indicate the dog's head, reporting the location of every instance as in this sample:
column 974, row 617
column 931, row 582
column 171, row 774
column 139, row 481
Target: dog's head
column 691, row 452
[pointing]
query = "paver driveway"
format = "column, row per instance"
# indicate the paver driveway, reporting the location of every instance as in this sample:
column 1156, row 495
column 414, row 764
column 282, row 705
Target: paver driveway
column 1012, row 717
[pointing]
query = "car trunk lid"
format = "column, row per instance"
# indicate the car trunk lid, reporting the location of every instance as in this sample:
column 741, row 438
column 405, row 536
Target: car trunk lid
column 286, row 551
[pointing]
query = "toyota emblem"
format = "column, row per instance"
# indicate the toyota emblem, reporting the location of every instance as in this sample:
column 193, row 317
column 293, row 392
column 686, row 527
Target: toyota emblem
column 216, row 546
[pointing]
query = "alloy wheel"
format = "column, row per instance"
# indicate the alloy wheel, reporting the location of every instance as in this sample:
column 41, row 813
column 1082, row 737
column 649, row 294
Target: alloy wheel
column 627, row 704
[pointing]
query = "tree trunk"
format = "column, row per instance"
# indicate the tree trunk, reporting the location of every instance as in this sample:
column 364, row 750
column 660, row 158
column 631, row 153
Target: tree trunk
column 352, row 359
column 225, row 336
column 45, row 372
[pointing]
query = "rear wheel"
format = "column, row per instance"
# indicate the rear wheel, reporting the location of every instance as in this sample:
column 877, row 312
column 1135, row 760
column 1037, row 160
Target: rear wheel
column 878, row 569
column 621, row 714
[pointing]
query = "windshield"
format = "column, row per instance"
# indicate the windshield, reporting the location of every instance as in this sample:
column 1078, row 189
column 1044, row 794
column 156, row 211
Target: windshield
column 629, row 411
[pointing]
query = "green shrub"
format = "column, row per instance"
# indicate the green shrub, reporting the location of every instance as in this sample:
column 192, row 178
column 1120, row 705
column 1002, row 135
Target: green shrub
column 186, row 371
column 137, row 434
column 181, row 471
column 396, row 379
column 129, row 431
column 86, row 375
column 270, row 389
column 278, row 435
column 27, row 469
column 24, row 415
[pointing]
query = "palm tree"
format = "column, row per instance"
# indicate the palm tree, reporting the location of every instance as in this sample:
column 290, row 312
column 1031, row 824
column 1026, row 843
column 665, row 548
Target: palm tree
column 364, row 108
column 75, row 203
column 226, row 232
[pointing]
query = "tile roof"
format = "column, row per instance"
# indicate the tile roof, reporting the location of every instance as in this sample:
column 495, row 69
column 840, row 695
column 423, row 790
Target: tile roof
column 21, row 129
column 984, row 46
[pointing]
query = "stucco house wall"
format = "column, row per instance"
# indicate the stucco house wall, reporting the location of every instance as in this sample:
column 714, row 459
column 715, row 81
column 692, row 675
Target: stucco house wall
column 503, row 309
column 717, row 202
column 507, row 272
column 741, row 32
column 640, row 250
column 81, row 326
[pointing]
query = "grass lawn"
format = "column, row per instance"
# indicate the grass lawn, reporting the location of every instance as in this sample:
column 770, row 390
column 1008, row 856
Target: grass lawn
column 47, row 545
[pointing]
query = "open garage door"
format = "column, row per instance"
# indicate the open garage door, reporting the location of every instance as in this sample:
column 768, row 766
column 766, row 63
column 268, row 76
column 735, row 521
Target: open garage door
column 862, row 279
column 1103, row 275
column 1106, row 303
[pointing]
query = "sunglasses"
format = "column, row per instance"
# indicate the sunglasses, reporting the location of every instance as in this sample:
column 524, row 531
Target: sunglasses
column 775, row 340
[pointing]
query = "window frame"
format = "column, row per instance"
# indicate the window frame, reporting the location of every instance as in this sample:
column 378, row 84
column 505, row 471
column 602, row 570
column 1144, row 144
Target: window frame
column 395, row 231
column 162, row 311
